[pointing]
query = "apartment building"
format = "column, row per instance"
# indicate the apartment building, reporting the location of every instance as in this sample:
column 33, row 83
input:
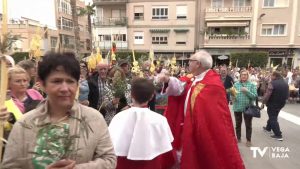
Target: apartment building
column 221, row 27
column 110, row 24
column 65, row 27
column 227, row 26
column 63, row 30
column 27, row 28
column 168, row 27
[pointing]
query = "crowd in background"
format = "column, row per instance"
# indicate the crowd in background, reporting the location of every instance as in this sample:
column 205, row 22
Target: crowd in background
column 107, row 88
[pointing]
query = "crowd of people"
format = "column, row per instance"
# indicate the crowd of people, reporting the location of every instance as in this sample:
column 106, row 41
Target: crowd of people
column 61, row 114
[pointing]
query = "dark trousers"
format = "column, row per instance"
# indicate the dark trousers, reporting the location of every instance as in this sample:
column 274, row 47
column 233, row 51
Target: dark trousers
column 238, row 124
column 272, row 123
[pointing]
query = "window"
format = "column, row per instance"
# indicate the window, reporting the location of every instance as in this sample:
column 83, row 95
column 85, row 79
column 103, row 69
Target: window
column 68, row 41
column 159, row 12
column 273, row 30
column 81, row 44
column 139, row 13
column 104, row 38
column 160, row 39
column 115, row 13
column 269, row 3
column 181, row 38
column 276, row 3
column 66, row 24
column 278, row 30
column 99, row 12
column 65, row 7
column 216, row 3
column 139, row 38
column 239, row 3
column 119, row 37
column 181, row 12
column 53, row 42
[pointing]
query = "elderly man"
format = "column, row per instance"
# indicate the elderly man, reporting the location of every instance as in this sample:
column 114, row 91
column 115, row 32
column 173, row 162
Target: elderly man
column 200, row 119
column 100, row 95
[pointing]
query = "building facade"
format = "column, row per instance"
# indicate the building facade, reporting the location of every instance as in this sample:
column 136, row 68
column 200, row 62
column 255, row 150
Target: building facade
column 110, row 24
column 62, row 35
column 228, row 26
column 26, row 29
column 182, row 27
column 65, row 25
column 167, row 27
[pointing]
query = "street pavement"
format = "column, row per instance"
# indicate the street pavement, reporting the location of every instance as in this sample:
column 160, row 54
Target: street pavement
column 270, row 153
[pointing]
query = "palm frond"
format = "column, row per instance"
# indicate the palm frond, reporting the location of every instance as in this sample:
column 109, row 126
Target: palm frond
column 7, row 41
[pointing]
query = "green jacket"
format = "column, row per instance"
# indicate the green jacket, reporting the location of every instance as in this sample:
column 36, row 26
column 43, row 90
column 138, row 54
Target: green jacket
column 242, row 99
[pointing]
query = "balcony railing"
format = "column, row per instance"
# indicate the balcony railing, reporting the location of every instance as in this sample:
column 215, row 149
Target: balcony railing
column 109, row 2
column 226, row 36
column 69, row 46
column 246, row 9
column 108, row 44
column 111, row 21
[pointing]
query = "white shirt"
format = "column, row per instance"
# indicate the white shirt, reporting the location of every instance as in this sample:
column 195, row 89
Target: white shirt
column 197, row 79
column 140, row 134
column 176, row 87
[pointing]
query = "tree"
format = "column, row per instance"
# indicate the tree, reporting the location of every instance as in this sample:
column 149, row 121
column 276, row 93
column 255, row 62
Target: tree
column 254, row 59
column 7, row 41
column 73, row 4
column 89, row 11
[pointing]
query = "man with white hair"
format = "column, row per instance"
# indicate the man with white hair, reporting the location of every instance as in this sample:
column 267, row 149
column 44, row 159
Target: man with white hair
column 200, row 119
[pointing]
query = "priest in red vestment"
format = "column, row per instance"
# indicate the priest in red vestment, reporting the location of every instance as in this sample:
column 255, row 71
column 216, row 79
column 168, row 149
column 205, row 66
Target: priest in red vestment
column 199, row 118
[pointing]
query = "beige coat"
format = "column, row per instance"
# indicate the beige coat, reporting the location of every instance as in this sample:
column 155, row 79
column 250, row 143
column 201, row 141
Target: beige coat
column 95, row 149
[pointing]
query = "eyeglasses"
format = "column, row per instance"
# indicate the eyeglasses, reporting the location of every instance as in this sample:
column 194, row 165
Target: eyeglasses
column 191, row 60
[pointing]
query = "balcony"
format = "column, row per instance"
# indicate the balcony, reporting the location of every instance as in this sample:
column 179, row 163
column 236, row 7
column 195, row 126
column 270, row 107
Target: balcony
column 69, row 46
column 102, row 22
column 121, row 45
column 227, row 40
column 64, row 10
column 224, row 36
column 228, row 12
column 110, row 2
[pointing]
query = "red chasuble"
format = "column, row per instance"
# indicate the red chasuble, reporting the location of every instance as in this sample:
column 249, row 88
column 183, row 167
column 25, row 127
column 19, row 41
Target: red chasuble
column 163, row 161
column 207, row 137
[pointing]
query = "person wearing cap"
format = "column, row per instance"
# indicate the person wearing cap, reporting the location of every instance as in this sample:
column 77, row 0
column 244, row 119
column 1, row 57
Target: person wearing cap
column 124, row 65
column 100, row 96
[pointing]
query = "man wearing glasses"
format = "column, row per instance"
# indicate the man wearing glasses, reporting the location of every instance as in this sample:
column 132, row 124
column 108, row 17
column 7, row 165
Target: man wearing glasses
column 199, row 117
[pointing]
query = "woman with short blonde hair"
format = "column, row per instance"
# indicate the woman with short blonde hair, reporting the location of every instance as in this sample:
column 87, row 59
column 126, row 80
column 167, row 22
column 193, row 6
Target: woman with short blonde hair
column 246, row 94
column 18, row 82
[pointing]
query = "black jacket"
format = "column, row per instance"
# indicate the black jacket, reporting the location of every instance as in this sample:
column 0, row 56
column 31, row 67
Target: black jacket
column 279, row 94
column 94, row 91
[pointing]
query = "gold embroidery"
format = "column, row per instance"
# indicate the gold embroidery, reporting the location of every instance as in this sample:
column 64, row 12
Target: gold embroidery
column 195, row 93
